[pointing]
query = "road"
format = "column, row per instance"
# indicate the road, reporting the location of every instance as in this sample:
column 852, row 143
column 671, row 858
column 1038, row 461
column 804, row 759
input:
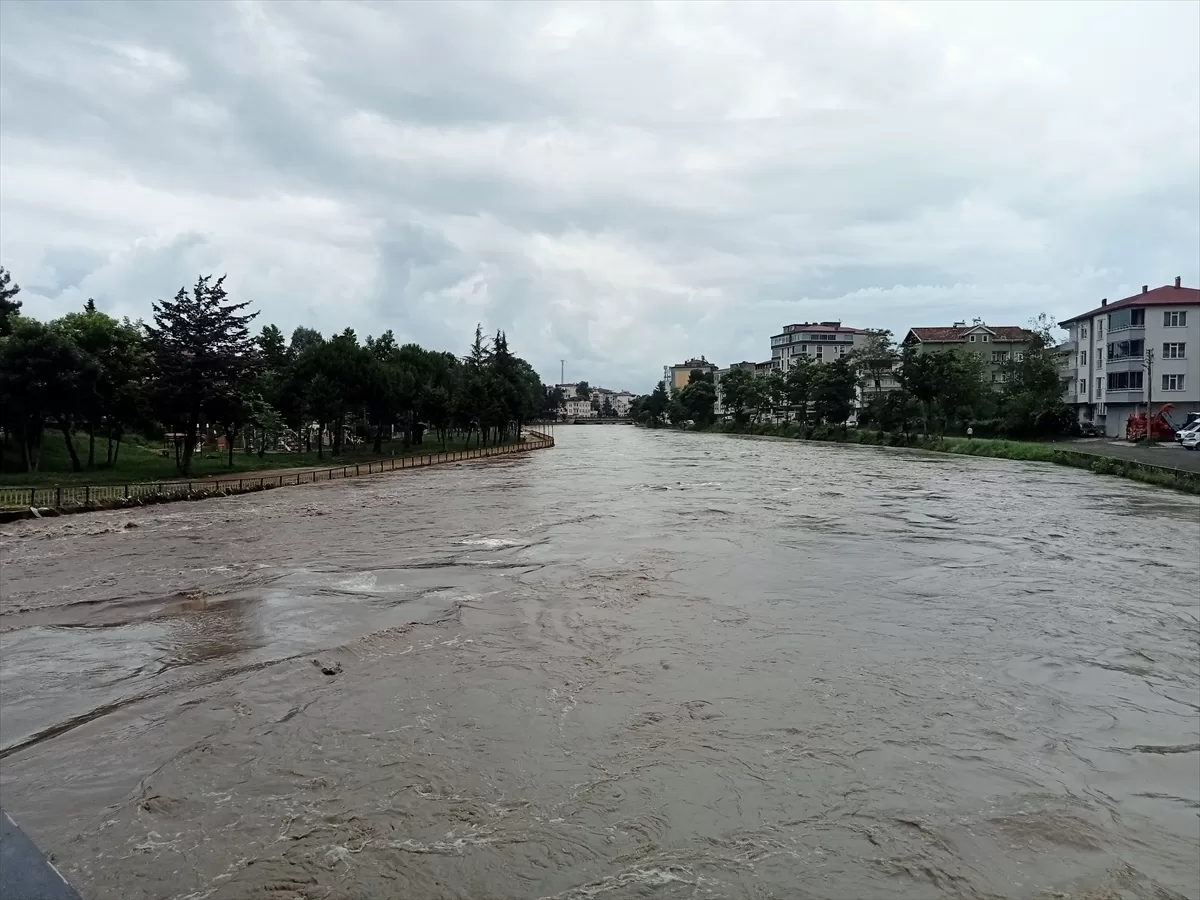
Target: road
column 1171, row 455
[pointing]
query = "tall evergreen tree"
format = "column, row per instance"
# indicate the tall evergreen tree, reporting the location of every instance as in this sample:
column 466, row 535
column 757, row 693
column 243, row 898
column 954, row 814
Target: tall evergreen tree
column 10, row 306
column 203, row 354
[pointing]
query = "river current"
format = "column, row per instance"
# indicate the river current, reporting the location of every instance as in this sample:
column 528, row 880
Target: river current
column 638, row 665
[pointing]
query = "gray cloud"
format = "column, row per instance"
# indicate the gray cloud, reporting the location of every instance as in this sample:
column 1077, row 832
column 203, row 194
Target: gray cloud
column 620, row 185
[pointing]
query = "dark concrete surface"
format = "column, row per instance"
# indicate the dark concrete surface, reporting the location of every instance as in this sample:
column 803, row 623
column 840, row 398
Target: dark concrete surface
column 1170, row 455
column 25, row 874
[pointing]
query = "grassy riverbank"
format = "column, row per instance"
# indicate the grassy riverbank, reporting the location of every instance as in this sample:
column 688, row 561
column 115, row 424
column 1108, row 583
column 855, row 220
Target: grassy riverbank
column 1027, row 451
column 140, row 462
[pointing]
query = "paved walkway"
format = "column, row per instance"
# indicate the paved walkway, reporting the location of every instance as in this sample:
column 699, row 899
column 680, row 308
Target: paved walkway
column 1170, row 455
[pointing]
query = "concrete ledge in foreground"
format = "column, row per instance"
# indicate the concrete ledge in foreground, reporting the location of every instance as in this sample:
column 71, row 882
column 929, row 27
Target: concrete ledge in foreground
column 25, row 874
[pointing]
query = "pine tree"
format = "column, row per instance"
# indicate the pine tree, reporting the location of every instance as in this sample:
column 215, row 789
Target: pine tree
column 203, row 354
column 10, row 307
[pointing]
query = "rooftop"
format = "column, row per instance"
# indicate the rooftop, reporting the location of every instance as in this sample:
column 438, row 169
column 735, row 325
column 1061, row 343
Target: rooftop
column 822, row 327
column 958, row 333
column 1167, row 295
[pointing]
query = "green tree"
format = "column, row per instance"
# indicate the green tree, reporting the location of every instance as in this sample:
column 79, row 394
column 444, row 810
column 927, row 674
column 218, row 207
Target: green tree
column 43, row 375
column 583, row 390
column 799, row 381
column 202, row 353
column 833, row 391
column 698, row 398
column 117, row 399
column 10, row 306
column 657, row 404
column 737, row 393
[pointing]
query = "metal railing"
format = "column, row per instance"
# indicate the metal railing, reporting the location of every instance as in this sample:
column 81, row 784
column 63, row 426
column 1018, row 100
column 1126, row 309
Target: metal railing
column 66, row 496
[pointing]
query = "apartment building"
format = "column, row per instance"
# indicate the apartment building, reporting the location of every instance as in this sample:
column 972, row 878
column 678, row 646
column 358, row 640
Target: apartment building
column 822, row 341
column 1140, row 350
column 579, row 408
column 621, row 401
column 995, row 345
column 676, row 377
column 719, row 406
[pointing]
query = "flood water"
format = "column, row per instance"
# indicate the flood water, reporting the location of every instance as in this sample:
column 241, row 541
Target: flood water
column 639, row 665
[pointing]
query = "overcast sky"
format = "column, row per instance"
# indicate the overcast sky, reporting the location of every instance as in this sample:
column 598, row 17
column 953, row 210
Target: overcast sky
column 618, row 185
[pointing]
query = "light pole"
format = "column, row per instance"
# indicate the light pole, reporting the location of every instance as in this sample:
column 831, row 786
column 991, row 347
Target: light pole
column 1148, row 365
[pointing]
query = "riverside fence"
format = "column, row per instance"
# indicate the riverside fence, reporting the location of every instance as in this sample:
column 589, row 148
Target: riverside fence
column 76, row 497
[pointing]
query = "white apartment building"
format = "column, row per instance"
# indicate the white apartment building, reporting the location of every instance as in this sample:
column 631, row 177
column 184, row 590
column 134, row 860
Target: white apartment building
column 621, row 402
column 579, row 408
column 1144, row 348
column 822, row 341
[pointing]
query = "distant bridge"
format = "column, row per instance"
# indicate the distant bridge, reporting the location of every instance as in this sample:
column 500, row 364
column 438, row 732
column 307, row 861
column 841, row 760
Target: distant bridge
column 614, row 421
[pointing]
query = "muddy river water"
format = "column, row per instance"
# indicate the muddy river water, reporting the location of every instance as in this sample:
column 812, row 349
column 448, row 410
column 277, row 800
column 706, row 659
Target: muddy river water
column 639, row 665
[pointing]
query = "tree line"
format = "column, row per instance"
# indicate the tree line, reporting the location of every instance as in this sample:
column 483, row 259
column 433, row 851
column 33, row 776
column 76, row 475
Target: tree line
column 198, row 370
column 892, row 388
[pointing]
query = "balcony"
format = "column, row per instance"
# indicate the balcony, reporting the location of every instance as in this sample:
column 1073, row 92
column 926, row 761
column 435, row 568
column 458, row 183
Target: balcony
column 1125, row 364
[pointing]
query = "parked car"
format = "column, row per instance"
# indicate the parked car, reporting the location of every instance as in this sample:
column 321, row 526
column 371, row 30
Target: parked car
column 1191, row 440
column 1090, row 429
column 1193, row 428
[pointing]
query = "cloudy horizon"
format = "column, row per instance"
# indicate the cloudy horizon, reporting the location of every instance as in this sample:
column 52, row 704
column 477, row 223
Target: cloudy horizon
column 617, row 185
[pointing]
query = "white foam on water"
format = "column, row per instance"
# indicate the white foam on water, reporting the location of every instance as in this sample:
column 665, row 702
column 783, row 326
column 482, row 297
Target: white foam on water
column 491, row 543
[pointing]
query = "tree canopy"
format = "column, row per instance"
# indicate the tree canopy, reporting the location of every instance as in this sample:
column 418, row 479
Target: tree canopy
column 198, row 371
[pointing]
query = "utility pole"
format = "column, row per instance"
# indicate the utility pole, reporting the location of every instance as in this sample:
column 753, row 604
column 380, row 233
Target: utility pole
column 562, row 371
column 1148, row 365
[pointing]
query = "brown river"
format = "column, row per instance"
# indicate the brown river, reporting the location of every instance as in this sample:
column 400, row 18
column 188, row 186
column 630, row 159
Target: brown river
column 638, row 665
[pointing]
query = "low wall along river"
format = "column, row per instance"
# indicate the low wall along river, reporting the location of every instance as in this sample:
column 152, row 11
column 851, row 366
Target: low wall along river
column 646, row 664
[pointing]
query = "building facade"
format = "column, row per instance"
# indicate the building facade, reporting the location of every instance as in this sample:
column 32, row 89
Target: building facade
column 822, row 341
column 1140, row 350
column 995, row 345
column 676, row 377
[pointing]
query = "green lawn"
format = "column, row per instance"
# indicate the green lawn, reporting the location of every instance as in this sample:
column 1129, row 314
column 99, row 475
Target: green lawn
column 141, row 462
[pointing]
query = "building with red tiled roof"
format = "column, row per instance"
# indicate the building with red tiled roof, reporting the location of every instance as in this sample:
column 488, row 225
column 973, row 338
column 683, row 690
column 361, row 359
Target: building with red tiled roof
column 995, row 345
column 1141, row 350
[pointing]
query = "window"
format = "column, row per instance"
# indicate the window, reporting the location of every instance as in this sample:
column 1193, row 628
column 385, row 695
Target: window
column 984, row 338
column 820, row 352
column 841, row 349
column 1126, row 318
column 1126, row 350
column 1172, row 383
column 971, row 339
column 1099, row 328
column 1083, row 331
column 1173, row 351
column 999, row 356
column 804, row 348
column 1125, row 381
column 1099, row 387
column 1175, row 319
column 1083, row 385
column 1083, row 357
column 1019, row 356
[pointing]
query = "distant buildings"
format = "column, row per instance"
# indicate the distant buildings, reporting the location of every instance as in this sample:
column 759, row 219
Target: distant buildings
column 1122, row 355
column 591, row 406
column 1117, row 358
